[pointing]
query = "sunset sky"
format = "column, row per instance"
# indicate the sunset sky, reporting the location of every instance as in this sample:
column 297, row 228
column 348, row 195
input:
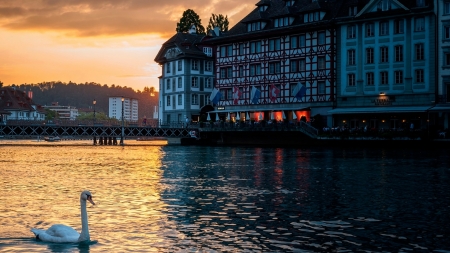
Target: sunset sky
column 103, row 41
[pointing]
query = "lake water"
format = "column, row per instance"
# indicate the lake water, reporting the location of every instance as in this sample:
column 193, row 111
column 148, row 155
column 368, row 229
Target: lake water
column 159, row 198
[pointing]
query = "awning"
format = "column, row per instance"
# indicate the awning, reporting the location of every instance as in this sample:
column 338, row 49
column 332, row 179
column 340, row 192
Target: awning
column 387, row 109
column 440, row 108
column 260, row 110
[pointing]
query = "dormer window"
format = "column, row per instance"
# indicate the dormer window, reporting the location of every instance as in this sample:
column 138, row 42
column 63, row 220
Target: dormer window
column 290, row 3
column 384, row 5
column 255, row 26
column 263, row 8
column 313, row 16
column 280, row 22
column 420, row 3
column 352, row 10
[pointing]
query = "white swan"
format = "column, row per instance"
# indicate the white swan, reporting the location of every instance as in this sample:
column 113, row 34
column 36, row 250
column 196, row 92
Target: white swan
column 62, row 233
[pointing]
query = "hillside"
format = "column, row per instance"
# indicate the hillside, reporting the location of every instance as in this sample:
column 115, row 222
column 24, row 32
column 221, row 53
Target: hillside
column 81, row 95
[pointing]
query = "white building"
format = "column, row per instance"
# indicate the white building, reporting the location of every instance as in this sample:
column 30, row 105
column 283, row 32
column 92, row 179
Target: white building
column 63, row 112
column 187, row 78
column 130, row 108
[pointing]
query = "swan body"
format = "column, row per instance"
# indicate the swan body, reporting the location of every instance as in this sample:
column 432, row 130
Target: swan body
column 64, row 234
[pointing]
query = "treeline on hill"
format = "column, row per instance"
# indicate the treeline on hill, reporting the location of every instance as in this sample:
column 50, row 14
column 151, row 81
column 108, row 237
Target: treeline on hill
column 81, row 95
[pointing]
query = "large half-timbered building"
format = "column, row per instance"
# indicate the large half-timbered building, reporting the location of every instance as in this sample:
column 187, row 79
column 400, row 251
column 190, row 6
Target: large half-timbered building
column 279, row 62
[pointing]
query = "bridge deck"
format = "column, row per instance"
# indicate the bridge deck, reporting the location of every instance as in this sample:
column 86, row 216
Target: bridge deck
column 87, row 131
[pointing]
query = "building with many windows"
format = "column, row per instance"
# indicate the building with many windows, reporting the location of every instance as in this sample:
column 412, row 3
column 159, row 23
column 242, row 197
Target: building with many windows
column 385, row 64
column 375, row 64
column 442, row 108
column 63, row 112
column 129, row 106
column 279, row 62
column 187, row 79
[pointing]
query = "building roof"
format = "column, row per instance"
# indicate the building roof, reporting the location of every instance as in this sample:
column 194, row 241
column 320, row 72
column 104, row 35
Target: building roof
column 12, row 99
column 186, row 43
column 333, row 10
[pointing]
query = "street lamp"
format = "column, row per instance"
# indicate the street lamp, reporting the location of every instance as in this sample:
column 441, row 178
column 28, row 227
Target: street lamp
column 123, row 130
column 94, row 102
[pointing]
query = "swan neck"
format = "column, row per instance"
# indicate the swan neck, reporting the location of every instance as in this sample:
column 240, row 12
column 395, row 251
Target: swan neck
column 84, row 236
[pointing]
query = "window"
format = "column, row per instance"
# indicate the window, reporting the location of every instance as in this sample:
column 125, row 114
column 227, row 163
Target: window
column 298, row 41
column 298, row 65
column 180, row 82
column 384, row 28
column 419, row 74
column 208, row 66
column 241, row 48
column 255, row 47
column 352, row 10
column 180, row 65
column 420, row 52
column 230, row 50
column 168, row 84
column 241, row 71
column 446, row 32
column 168, row 100
column 384, row 77
column 384, row 5
column 446, row 8
column 399, row 53
column 351, row 31
column 194, row 82
column 223, row 51
column 419, row 24
column 369, row 55
column 280, row 22
column 274, row 67
column 207, row 51
column 208, row 82
column 370, row 78
column 274, row 44
column 255, row 69
column 168, row 67
column 194, row 64
column 351, row 57
column 370, row 30
column 351, row 80
column 420, row 3
column 321, row 62
column 384, row 56
column 321, row 38
column 399, row 26
column 447, row 59
column 194, row 99
column 180, row 101
column 256, row 26
column 398, row 76
column 226, row 72
column 321, row 87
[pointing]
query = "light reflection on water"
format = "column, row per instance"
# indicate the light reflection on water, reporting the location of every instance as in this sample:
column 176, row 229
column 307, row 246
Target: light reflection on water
column 205, row 199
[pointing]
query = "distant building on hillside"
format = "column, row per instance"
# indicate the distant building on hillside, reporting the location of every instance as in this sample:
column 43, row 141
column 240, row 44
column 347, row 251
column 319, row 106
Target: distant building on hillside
column 63, row 111
column 130, row 108
column 18, row 105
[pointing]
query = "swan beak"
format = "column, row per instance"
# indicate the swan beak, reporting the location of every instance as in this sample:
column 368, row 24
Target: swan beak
column 90, row 200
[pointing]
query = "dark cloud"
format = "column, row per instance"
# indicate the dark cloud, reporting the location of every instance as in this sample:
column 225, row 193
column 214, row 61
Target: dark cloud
column 110, row 17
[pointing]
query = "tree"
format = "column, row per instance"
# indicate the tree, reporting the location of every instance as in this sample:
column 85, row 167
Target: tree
column 188, row 19
column 218, row 21
column 1, row 84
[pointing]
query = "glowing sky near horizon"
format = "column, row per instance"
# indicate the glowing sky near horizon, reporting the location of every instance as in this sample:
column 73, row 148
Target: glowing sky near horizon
column 103, row 41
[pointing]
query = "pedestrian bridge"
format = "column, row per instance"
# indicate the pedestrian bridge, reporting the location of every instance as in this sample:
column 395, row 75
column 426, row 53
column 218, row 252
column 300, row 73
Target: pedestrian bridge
column 91, row 131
